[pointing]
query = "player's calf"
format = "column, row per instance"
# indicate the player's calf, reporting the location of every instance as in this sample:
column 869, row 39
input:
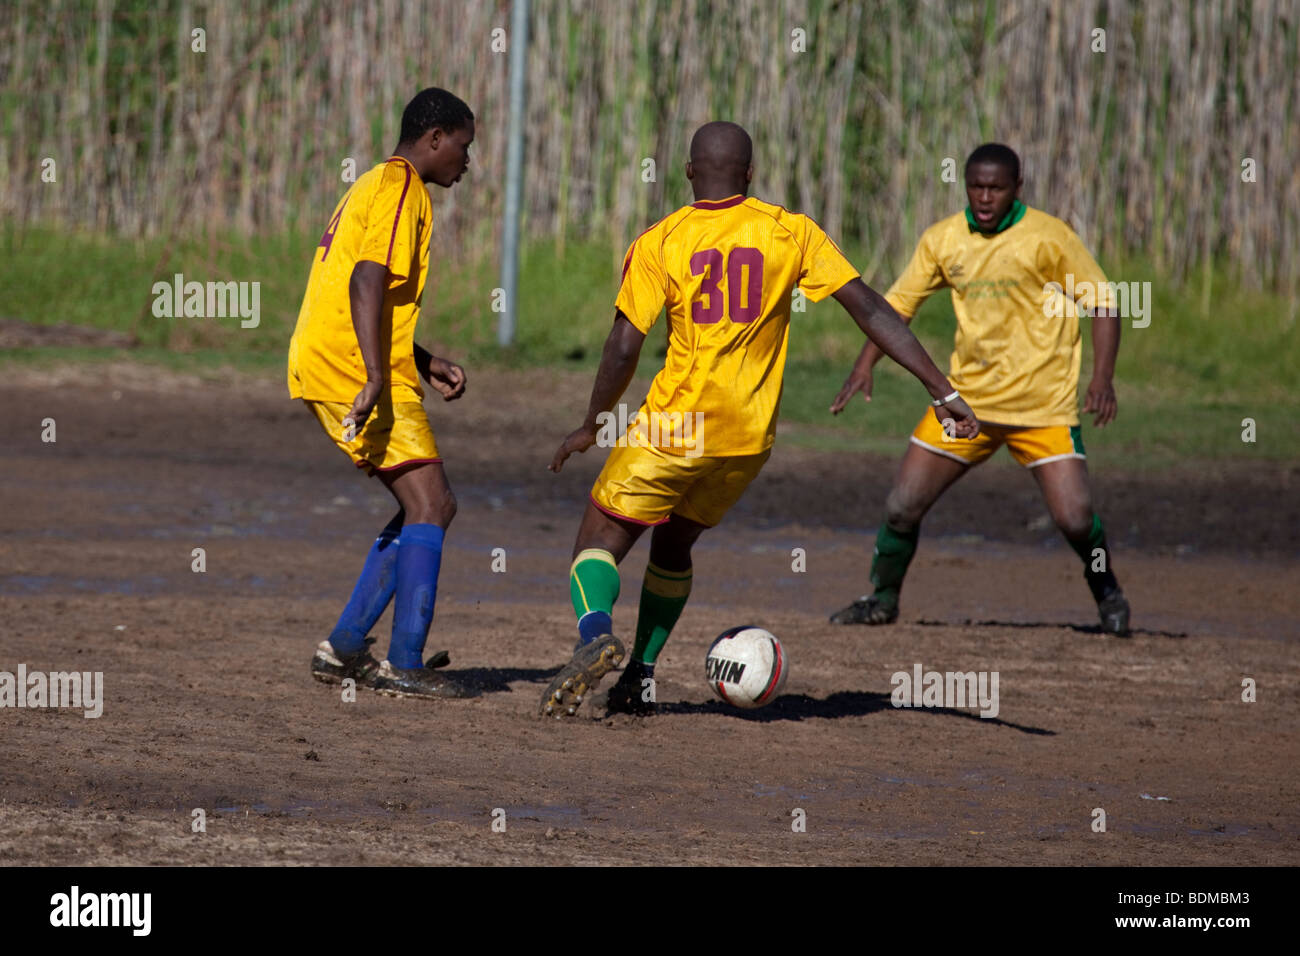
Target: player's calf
column 1088, row 539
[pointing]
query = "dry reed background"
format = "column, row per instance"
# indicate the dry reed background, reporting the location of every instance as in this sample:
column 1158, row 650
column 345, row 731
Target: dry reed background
column 1140, row 147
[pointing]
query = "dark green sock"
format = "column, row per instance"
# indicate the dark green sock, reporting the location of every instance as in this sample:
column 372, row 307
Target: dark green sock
column 663, row 595
column 1095, row 555
column 894, row 551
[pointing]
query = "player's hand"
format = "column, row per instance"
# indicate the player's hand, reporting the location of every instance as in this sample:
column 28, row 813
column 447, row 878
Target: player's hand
column 361, row 408
column 1101, row 400
column 577, row 441
column 447, row 377
column 856, row 382
column 965, row 424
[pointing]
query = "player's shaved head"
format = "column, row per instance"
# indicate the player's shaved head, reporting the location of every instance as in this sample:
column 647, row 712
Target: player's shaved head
column 721, row 162
column 721, row 148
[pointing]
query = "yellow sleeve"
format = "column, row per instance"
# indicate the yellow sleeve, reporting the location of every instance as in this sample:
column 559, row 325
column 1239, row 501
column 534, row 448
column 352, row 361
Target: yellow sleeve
column 644, row 289
column 392, row 223
column 1092, row 291
column 921, row 279
column 823, row 270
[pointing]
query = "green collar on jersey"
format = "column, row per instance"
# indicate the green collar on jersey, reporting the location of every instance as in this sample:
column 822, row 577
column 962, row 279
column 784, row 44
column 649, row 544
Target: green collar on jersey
column 1013, row 216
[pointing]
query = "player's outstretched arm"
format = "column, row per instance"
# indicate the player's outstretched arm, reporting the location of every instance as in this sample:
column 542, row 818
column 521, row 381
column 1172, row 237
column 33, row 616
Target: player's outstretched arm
column 617, row 366
column 1105, row 346
column 366, row 295
column 881, row 324
column 860, row 376
column 444, row 375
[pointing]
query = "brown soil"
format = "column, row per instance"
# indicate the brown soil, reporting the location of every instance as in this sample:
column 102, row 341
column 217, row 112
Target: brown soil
column 209, row 704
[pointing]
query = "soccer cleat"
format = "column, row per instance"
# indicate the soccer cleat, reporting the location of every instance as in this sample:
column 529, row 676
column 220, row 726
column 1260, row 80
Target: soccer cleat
column 418, row 682
column 330, row 667
column 579, row 678
column 1113, row 608
column 628, row 696
column 868, row 609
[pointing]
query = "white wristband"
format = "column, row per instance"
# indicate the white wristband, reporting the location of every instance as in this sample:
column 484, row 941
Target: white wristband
column 944, row 401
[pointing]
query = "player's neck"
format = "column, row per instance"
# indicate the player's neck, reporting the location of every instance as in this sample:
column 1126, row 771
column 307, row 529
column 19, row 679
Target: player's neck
column 403, row 152
column 711, row 192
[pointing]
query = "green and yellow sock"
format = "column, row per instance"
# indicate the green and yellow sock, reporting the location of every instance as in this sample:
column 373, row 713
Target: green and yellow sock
column 663, row 596
column 593, row 587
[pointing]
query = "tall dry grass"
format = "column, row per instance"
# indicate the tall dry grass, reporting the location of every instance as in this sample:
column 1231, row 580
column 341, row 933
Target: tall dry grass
column 1139, row 147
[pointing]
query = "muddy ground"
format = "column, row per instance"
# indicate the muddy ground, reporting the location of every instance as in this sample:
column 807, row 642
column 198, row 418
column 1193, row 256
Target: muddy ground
column 209, row 705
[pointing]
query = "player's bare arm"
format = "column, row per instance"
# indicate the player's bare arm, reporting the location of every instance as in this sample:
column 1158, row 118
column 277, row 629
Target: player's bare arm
column 444, row 375
column 861, row 375
column 890, row 334
column 1100, row 398
column 366, row 292
column 617, row 366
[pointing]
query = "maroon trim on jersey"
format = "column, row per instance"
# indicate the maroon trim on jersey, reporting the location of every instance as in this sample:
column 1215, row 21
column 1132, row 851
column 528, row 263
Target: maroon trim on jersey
column 627, row 263
column 403, row 464
column 718, row 203
column 388, row 260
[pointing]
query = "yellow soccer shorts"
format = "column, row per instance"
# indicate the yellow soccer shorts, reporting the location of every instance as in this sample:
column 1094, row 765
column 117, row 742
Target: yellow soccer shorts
column 393, row 436
column 1031, row 447
column 645, row 484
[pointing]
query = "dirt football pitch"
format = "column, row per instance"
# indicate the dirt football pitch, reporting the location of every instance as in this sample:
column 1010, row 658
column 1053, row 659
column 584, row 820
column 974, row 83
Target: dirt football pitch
column 208, row 703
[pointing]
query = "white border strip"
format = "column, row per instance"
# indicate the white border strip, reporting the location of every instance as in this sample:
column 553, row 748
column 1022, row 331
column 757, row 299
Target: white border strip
column 1043, row 461
column 939, row 451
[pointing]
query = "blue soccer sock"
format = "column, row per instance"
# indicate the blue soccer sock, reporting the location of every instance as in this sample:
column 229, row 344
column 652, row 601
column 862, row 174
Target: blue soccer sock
column 373, row 590
column 418, row 561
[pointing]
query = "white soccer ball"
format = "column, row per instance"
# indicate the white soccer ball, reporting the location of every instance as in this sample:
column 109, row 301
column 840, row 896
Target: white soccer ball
column 746, row 666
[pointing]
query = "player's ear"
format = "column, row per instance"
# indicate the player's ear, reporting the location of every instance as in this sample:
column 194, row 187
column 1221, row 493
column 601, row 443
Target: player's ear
column 690, row 170
column 435, row 136
column 749, row 173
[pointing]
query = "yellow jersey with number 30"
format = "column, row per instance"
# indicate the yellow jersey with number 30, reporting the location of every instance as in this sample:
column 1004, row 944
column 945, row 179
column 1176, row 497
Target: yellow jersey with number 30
column 386, row 217
column 726, row 270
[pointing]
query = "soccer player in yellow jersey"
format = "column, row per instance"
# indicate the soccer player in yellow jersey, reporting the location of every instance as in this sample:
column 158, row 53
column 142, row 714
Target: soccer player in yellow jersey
column 354, row 362
column 726, row 267
column 1020, row 279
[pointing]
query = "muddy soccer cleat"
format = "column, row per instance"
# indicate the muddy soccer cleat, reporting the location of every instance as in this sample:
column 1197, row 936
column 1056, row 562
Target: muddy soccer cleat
column 868, row 609
column 418, row 682
column 330, row 667
column 632, row 695
column 1113, row 608
column 579, row 678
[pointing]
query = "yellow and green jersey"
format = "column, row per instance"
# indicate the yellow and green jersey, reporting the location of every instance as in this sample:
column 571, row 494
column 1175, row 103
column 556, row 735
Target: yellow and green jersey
column 1018, row 349
column 726, row 270
column 386, row 217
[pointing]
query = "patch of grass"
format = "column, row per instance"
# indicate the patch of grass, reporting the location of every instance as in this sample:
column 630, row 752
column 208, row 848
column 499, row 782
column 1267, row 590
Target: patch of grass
column 1185, row 382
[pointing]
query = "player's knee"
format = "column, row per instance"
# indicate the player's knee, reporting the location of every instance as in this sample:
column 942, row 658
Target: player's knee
column 1074, row 523
column 447, row 508
column 901, row 513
